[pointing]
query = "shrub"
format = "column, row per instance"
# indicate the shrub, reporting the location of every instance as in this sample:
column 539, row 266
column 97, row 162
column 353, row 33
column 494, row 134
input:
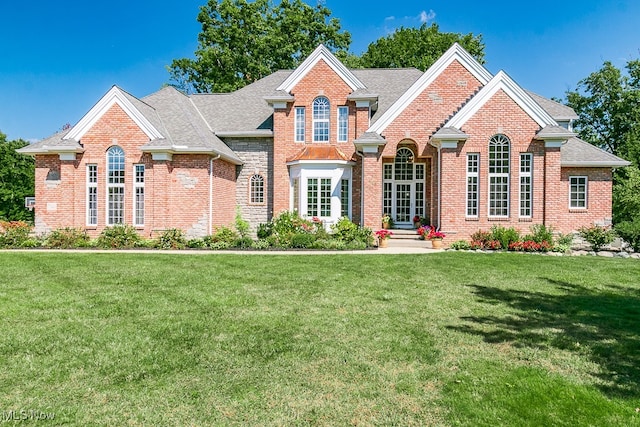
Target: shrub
column 196, row 243
column 242, row 226
column 67, row 238
column 480, row 238
column 629, row 231
column 541, row 233
column 597, row 236
column 505, row 236
column 288, row 223
column 172, row 238
column 347, row 231
column 13, row 233
column 31, row 243
column 302, row 240
column 222, row 234
column 460, row 245
column 493, row 245
column 243, row 242
column 264, row 230
column 119, row 236
column 261, row 244
column 563, row 242
column 530, row 246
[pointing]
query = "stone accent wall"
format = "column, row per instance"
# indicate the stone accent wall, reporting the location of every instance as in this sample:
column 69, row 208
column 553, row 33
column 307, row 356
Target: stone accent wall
column 257, row 155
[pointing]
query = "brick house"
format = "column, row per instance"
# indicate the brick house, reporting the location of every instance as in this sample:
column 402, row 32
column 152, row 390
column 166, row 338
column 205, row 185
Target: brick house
column 456, row 144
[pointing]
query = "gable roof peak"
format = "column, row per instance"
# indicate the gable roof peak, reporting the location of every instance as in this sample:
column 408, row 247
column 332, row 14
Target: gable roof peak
column 321, row 53
column 455, row 53
column 115, row 95
column 501, row 81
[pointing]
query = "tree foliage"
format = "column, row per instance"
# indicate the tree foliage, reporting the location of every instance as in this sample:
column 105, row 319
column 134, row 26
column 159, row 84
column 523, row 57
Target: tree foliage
column 608, row 106
column 243, row 41
column 417, row 47
column 17, row 178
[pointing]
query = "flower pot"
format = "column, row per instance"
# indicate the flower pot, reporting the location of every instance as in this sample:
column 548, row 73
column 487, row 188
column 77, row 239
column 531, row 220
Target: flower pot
column 416, row 224
column 436, row 243
column 383, row 243
column 385, row 225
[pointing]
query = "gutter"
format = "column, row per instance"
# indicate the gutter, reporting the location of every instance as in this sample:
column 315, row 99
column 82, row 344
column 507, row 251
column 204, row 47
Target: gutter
column 361, row 188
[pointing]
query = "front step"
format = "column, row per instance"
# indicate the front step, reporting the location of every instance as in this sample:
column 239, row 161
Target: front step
column 407, row 238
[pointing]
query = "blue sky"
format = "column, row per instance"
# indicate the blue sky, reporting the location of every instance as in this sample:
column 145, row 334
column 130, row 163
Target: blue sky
column 59, row 57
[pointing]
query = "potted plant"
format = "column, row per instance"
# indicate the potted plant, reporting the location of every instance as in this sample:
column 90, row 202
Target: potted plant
column 416, row 221
column 383, row 237
column 423, row 231
column 386, row 221
column 435, row 237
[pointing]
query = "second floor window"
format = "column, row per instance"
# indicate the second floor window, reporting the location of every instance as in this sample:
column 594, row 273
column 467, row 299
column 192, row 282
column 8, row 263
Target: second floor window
column 299, row 125
column 321, row 112
column 343, row 124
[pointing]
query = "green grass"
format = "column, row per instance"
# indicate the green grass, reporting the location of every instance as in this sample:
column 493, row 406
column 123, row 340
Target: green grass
column 443, row 339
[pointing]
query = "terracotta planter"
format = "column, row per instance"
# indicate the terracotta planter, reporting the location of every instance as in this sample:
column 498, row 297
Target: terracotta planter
column 385, row 225
column 436, row 243
column 383, row 243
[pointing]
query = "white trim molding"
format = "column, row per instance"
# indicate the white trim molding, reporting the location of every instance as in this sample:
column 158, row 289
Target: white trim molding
column 321, row 53
column 114, row 96
column 455, row 52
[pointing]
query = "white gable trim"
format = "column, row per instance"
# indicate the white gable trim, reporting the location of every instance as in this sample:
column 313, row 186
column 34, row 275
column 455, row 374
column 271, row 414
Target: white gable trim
column 323, row 53
column 114, row 96
column 455, row 52
column 515, row 92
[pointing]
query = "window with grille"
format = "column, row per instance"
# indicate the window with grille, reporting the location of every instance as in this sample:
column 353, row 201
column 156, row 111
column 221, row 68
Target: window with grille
column 256, row 189
column 321, row 114
column 526, row 185
column 473, row 188
column 115, row 185
column 499, row 166
column 92, row 194
column 343, row 124
column 578, row 192
column 300, row 124
column 138, row 195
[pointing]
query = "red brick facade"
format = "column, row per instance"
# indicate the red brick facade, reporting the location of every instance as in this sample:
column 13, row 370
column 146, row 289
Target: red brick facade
column 197, row 192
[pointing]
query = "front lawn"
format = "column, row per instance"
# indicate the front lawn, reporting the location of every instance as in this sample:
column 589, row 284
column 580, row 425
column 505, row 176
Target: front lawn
column 441, row 339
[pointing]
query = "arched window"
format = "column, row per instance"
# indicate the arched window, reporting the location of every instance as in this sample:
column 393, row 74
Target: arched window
column 404, row 164
column 115, row 185
column 256, row 189
column 321, row 112
column 499, row 168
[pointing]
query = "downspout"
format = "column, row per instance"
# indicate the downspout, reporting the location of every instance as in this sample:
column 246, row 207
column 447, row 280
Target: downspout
column 211, row 193
column 361, row 189
column 439, row 184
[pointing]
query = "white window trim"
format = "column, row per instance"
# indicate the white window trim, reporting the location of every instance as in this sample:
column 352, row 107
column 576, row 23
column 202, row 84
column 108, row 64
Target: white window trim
column 349, row 207
column 529, row 175
column 499, row 175
column 316, row 121
column 252, row 181
column 91, row 185
column 299, row 111
column 137, row 185
column 475, row 175
column 346, row 122
column 586, row 192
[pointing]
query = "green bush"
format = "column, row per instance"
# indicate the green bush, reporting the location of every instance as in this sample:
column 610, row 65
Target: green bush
column 288, row 223
column 67, row 238
column 597, row 236
column 119, row 236
column 629, row 231
column 264, row 230
column 505, row 236
column 347, row 231
column 243, row 243
column 302, row 240
column 261, row 244
column 540, row 233
column 220, row 245
column 172, row 238
column 13, row 233
column 563, row 242
column 31, row 243
column 196, row 243
column 479, row 239
column 242, row 226
column 222, row 235
column 461, row 245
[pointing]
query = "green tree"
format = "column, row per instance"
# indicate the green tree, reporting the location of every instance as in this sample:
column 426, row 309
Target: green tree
column 417, row 47
column 17, row 178
column 243, row 41
column 608, row 106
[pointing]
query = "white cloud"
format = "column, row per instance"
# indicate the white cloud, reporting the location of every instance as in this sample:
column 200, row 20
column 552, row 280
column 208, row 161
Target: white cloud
column 427, row 16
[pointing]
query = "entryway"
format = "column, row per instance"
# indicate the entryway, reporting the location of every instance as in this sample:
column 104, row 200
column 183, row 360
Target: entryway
column 404, row 188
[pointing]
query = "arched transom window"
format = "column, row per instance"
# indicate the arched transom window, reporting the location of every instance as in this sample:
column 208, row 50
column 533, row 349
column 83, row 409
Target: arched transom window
column 499, row 168
column 256, row 189
column 404, row 164
column 321, row 112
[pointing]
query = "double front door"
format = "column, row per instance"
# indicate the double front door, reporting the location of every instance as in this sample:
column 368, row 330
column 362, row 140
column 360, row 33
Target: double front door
column 404, row 188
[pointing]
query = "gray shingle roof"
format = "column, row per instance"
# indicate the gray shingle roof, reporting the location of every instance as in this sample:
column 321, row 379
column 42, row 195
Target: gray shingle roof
column 55, row 143
column 558, row 111
column 550, row 132
column 578, row 153
column 449, row 132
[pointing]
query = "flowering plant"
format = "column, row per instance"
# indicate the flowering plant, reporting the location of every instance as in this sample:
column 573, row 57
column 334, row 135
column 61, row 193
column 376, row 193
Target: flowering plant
column 423, row 231
column 386, row 218
column 433, row 234
column 416, row 218
column 383, row 234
